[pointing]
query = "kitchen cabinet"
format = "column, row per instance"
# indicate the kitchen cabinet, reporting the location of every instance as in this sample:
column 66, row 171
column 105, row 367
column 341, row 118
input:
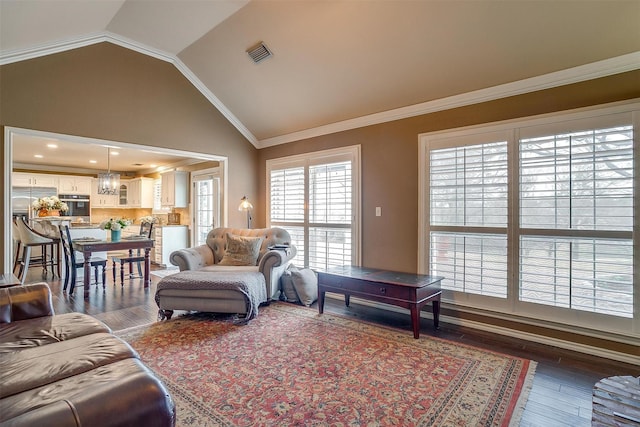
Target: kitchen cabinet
column 168, row 238
column 140, row 193
column 174, row 189
column 74, row 185
column 21, row 179
column 102, row 200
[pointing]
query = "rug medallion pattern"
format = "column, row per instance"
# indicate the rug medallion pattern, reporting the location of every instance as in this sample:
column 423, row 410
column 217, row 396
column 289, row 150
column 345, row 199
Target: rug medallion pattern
column 292, row 366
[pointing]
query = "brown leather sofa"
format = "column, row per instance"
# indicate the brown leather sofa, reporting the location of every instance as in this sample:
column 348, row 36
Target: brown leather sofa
column 70, row 370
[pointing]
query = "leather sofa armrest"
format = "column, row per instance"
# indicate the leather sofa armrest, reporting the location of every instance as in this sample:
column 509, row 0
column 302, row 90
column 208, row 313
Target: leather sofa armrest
column 192, row 258
column 25, row 302
column 272, row 264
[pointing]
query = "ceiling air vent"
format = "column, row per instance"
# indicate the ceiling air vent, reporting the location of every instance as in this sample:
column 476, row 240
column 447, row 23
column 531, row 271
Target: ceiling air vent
column 259, row 52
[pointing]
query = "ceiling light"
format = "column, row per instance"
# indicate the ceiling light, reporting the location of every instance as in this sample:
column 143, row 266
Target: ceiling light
column 108, row 183
column 93, row 161
column 115, row 153
column 52, row 145
column 38, row 156
column 153, row 166
column 259, row 52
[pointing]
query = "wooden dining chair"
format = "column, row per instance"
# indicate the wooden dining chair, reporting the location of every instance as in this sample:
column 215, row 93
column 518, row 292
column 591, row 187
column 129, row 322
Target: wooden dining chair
column 146, row 228
column 73, row 261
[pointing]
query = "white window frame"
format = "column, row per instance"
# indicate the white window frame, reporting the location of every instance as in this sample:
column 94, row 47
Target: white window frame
column 594, row 324
column 351, row 153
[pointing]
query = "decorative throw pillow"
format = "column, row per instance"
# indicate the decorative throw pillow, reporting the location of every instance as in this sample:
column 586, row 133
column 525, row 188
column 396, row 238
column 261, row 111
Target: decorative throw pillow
column 241, row 250
column 288, row 291
column 305, row 283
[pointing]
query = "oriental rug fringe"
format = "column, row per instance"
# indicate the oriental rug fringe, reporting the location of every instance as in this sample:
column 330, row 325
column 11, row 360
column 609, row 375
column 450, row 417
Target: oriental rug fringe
column 292, row 366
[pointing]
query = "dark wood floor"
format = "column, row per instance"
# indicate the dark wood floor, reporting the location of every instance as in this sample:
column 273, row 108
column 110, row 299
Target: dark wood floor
column 562, row 387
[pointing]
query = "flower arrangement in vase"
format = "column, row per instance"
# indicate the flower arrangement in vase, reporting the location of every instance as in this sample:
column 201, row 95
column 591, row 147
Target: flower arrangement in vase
column 49, row 206
column 115, row 225
column 149, row 219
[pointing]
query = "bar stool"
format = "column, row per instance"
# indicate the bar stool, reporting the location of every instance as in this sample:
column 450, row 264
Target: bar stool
column 17, row 243
column 46, row 229
column 30, row 239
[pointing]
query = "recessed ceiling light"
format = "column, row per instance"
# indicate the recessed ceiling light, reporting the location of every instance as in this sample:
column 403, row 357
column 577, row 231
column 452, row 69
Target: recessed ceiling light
column 52, row 145
column 93, row 161
column 115, row 153
column 38, row 156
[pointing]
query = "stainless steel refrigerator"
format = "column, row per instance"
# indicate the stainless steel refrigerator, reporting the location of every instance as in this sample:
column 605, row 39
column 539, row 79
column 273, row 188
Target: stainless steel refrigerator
column 23, row 197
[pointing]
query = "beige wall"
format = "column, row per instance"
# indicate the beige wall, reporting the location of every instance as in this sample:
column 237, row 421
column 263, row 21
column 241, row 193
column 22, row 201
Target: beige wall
column 108, row 92
column 390, row 177
column 390, row 159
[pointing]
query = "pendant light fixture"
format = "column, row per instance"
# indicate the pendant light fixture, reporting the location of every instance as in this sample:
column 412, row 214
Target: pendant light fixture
column 108, row 183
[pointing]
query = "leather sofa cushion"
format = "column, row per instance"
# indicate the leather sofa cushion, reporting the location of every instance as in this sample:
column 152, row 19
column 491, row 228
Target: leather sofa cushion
column 25, row 302
column 40, row 331
column 37, row 366
column 101, row 396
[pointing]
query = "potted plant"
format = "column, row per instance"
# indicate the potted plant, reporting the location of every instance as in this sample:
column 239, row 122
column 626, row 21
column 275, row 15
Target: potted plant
column 49, row 206
column 115, row 225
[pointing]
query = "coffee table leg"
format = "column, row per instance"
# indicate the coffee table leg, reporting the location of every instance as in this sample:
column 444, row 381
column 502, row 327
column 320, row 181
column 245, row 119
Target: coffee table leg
column 415, row 320
column 436, row 314
column 321, row 301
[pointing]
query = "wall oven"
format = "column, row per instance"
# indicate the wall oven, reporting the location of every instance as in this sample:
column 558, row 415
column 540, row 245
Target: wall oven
column 79, row 205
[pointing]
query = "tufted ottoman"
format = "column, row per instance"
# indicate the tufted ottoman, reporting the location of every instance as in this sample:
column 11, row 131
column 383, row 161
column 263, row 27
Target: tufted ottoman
column 216, row 292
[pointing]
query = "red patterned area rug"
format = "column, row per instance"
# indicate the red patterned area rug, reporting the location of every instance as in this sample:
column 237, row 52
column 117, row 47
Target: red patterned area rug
column 292, row 366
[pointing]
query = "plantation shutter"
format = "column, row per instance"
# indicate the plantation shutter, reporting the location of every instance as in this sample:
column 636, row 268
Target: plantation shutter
column 468, row 217
column 576, row 215
column 330, row 214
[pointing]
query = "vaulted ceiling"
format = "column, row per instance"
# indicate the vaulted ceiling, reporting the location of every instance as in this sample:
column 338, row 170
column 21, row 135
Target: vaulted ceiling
column 342, row 64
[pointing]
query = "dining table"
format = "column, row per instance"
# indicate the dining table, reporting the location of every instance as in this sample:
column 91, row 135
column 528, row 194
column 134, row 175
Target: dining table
column 89, row 246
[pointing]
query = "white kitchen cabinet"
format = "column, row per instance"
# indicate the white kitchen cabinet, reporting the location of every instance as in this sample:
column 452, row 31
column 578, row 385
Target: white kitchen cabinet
column 102, row 200
column 74, row 185
column 168, row 238
column 175, row 189
column 21, row 179
column 140, row 193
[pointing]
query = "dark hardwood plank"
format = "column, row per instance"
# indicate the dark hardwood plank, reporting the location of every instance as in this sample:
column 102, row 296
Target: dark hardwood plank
column 561, row 394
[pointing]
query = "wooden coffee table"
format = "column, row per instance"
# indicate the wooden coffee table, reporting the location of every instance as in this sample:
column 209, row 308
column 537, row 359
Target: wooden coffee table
column 411, row 291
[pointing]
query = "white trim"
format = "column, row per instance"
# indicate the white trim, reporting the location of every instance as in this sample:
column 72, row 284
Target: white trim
column 7, row 245
column 606, row 67
column 527, row 336
column 8, row 168
column 581, row 73
column 106, row 36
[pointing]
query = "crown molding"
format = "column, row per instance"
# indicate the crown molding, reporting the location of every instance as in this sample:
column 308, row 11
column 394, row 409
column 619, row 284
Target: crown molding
column 106, row 36
column 607, row 67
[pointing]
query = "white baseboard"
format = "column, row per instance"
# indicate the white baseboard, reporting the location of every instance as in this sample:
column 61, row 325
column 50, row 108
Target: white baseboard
column 567, row 345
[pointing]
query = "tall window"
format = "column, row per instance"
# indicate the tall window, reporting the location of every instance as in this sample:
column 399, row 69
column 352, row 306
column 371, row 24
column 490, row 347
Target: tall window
column 315, row 197
column 539, row 214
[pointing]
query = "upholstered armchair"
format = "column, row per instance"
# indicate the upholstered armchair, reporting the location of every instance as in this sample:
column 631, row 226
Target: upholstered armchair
column 270, row 262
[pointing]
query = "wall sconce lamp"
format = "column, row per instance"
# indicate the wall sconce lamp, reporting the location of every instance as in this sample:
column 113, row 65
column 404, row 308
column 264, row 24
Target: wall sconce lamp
column 245, row 205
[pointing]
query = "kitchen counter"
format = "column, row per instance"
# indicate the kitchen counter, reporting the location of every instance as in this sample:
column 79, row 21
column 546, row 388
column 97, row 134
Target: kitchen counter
column 84, row 225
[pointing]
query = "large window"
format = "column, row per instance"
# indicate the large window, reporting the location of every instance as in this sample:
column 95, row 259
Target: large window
column 315, row 197
column 537, row 213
